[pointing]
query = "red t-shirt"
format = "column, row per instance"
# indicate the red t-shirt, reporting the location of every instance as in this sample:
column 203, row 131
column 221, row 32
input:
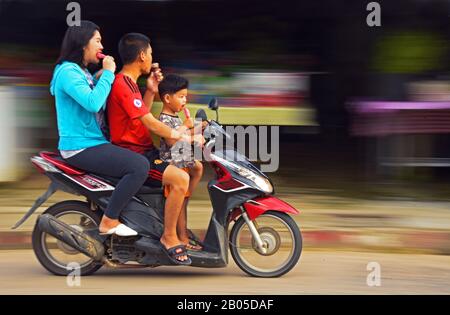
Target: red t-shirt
column 124, row 107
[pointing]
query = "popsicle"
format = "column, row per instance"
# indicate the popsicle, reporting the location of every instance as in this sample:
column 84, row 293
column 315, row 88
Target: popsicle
column 187, row 113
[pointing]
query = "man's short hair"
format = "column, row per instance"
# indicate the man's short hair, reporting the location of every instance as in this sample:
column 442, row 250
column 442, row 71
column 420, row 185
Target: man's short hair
column 131, row 45
column 171, row 84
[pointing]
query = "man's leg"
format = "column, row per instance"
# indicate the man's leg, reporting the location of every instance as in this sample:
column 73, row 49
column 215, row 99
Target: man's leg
column 178, row 181
column 195, row 174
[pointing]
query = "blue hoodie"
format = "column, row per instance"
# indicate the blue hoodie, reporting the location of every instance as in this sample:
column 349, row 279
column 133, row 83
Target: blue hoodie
column 77, row 104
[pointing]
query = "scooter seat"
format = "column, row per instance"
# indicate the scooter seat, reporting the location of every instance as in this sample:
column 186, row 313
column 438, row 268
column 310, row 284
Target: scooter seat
column 144, row 190
column 59, row 162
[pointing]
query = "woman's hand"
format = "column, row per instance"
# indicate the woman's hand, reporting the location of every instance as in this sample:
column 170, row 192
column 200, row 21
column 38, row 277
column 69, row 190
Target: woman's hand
column 109, row 64
column 98, row 74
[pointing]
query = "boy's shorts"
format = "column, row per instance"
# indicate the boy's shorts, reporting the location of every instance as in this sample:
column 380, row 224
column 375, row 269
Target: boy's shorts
column 157, row 168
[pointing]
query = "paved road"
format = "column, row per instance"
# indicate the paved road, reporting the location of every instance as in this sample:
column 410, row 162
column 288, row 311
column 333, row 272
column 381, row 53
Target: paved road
column 319, row 272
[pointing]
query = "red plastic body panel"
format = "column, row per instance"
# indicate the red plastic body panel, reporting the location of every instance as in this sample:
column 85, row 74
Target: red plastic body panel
column 263, row 204
column 66, row 168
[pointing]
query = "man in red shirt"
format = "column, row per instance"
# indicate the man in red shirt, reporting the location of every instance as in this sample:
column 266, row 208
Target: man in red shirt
column 131, row 125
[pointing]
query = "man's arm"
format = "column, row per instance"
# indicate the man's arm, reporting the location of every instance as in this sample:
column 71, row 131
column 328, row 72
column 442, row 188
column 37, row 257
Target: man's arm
column 160, row 129
column 149, row 96
column 184, row 128
column 170, row 135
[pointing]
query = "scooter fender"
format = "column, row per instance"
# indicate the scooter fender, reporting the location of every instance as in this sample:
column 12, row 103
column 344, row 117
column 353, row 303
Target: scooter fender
column 258, row 206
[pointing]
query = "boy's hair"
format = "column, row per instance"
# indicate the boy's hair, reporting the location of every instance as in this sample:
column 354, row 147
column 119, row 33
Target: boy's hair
column 131, row 45
column 171, row 84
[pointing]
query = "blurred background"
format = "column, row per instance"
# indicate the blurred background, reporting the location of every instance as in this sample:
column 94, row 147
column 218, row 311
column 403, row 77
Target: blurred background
column 364, row 112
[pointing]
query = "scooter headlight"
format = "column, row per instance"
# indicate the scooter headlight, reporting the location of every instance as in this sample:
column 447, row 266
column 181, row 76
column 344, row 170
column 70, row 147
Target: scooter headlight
column 259, row 181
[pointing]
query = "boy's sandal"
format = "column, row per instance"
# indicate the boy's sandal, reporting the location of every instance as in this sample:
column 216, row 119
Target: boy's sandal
column 176, row 252
column 194, row 245
column 194, row 240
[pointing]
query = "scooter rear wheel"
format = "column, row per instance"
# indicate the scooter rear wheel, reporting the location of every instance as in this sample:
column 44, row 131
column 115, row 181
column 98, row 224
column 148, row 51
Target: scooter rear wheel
column 281, row 238
column 57, row 257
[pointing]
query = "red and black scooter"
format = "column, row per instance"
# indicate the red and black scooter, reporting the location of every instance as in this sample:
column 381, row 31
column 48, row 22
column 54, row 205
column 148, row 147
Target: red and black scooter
column 264, row 240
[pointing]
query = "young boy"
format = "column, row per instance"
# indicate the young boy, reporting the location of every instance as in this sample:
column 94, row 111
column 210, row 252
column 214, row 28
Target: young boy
column 173, row 92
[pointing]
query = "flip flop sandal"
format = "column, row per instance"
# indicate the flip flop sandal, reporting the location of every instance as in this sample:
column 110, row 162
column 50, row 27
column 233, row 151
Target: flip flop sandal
column 194, row 240
column 194, row 245
column 176, row 252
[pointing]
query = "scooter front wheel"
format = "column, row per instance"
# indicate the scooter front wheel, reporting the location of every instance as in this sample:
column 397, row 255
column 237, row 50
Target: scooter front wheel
column 281, row 240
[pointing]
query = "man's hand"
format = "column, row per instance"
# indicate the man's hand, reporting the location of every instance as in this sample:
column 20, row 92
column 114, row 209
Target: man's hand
column 154, row 78
column 198, row 139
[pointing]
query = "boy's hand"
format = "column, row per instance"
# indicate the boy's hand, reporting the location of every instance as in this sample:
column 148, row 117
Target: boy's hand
column 189, row 123
column 154, row 78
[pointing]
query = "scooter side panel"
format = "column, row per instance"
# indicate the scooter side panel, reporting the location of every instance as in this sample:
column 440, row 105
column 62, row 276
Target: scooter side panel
column 258, row 206
column 216, row 239
column 146, row 220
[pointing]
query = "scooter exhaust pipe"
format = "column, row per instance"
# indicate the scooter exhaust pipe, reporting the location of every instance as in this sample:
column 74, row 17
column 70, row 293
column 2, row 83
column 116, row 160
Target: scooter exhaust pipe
column 70, row 236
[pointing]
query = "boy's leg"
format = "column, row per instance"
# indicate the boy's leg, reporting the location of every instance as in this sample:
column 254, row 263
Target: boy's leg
column 182, row 223
column 195, row 174
column 178, row 180
column 161, row 173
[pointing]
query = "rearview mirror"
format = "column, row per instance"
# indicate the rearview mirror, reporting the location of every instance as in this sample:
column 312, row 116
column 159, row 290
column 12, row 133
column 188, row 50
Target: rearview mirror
column 213, row 104
column 201, row 115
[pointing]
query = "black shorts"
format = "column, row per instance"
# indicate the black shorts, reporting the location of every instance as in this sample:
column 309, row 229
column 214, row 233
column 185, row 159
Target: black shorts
column 157, row 168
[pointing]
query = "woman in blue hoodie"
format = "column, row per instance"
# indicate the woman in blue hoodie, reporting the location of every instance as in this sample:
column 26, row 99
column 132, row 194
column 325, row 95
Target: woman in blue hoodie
column 80, row 101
